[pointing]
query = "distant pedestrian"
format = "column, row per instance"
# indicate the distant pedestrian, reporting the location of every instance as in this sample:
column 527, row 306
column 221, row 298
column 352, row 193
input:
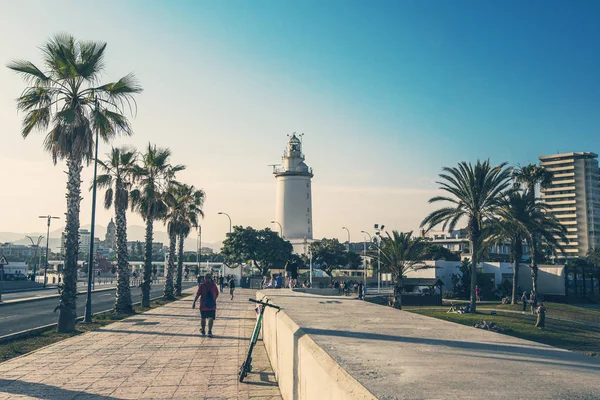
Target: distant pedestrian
column 360, row 291
column 541, row 316
column 524, row 301
column 278, row 281
column 533, row 301
column 208, row 293
column 477, row 294
column 231, row 286
column 221, row 282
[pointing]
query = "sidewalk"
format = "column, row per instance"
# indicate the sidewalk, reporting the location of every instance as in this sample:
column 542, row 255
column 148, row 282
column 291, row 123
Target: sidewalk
column 155, row 355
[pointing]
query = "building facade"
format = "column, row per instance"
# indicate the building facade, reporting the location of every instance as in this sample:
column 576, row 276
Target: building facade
column 294, row 197
column 110, row 240
column 573, row 197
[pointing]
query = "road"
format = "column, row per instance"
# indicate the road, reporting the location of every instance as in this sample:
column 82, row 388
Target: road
column 19, row 317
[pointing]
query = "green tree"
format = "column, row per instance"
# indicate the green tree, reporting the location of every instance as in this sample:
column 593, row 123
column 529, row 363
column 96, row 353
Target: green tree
column 527, row 177
column 512, row 224
column 475, row 194
column 353, row 260
column 400, row 254
column 593, row 256
column 190, row 201
column 439, row 252
column 117, row 179
column 263, row 247
column 66, row 99
column 152, row 178
column 328, row 254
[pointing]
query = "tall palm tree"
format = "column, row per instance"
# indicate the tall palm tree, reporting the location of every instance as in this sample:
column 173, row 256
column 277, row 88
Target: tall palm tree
column 476, row 193
column 544, row 231
column 401, row 253
column 153, row 178
column 191, row 201
column 512, row 224
column 593, row 256
column 172, row 219
column 528, row 176
column 65, row 101
column 117, row 179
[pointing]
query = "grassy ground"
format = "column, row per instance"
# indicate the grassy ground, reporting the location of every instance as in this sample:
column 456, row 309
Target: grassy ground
column 558, row 310
column 576, row 337
column 38, row 340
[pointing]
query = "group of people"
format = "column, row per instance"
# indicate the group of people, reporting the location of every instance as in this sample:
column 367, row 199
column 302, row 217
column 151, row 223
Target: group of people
column 540, row 309
column 274, row 282
column 228, row 281
column 349, row 287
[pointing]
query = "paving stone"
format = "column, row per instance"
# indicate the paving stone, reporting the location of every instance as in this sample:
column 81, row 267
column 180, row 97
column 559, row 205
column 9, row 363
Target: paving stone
column 156, row 355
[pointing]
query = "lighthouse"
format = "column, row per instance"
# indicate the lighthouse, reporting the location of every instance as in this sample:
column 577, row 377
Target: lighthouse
column 294, row 199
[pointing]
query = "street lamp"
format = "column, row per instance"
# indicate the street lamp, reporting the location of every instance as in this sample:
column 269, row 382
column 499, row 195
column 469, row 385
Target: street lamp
column 222, row 213
column 378, row 233
column 365, row 254
column 280, row 228
column 198, row 255
column 36, row 247
column 88, row 304
column 49, row 217
column 347, row 230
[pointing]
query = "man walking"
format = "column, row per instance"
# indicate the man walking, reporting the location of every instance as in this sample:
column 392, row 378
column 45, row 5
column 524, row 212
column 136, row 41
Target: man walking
column 208, row 293
column 232, row 286
column 221, row 282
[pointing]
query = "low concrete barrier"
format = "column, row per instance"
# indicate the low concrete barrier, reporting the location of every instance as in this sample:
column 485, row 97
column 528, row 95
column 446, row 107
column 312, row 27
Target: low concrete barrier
column 303, row 369
column 318, row 291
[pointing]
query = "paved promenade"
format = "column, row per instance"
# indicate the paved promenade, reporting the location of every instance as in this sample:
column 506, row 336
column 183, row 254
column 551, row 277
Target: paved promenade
column 156, row 355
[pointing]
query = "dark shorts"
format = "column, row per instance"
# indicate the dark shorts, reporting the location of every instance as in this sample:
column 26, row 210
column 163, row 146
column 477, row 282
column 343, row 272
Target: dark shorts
column 208, row 314
column 231, row 290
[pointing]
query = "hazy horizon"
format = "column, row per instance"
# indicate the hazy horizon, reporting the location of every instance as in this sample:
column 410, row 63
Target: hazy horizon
column 385, row 95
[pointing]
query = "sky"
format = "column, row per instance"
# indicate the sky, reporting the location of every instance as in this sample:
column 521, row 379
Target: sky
column 386, row 92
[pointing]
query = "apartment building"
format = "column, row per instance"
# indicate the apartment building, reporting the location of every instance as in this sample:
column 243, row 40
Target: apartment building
column 574, row 198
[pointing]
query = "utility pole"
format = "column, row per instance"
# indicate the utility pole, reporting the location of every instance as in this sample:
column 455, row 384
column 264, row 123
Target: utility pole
column 50, row 218
column 347, row 230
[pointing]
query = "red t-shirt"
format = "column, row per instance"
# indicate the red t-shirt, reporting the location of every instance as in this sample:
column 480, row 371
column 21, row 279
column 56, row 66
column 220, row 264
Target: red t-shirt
column 203, row 290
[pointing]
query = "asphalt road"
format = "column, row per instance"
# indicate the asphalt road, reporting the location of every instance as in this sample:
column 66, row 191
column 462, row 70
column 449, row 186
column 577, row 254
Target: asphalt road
column 19, row 317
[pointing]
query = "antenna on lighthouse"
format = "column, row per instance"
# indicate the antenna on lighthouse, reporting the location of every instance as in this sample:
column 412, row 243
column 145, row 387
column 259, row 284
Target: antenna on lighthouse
column 301, row 136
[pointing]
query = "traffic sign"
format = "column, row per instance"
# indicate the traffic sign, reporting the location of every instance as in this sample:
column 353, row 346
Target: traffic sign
column 3, row 260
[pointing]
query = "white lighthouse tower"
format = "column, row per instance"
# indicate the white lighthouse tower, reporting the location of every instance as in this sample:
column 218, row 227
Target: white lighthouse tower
column 294, row 198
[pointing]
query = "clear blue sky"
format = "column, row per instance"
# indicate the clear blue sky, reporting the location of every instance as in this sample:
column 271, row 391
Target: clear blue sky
column 387, row 93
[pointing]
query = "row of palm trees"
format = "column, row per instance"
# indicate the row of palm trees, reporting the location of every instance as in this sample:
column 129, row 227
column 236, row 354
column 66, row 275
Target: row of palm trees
column 498, row 205
column 65, row 100
column 147, row 183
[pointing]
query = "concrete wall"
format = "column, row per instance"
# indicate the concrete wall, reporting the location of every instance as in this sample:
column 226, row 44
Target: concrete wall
column 303, row 369
column 318, row 291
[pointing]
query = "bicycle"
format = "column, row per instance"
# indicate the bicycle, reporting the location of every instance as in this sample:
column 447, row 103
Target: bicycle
column 247, row 365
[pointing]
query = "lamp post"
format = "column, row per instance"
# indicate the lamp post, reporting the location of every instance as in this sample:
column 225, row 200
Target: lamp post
column 88, row 303
column 378, row 233
column 36, row 246
column 365, row 254
column 222, row 213
column 310, row 266
column 50, row 218
column 280, row 228
column 347, row 230
column 199, row 243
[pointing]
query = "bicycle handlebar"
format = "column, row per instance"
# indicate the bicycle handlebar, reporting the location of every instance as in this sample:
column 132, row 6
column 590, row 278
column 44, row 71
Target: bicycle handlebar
column 264, row 303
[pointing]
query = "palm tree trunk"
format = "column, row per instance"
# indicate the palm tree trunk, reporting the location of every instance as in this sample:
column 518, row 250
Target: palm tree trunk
column 398, row 293
column 517, row 255
column 123, row 295
column 67, row 303
column 147, row 261
column 474, row 241
column 534, row 266
column 168, row 290
column 179, row 267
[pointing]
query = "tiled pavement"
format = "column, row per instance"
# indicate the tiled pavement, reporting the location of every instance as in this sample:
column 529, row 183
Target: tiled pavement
column 155, row 355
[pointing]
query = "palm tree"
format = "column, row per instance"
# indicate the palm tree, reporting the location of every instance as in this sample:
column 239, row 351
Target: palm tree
column 544, row 230
column 117, row 179
column 172, row 219
column 401, row 253
column 66, row 99
column 528, row 176
column 153, row 178
column 593, row 256
column 476, row 193
column 191, row 201
column 512, row 224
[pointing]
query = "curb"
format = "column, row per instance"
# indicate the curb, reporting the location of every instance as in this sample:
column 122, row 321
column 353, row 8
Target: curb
column 27, row 332
column 52, row 296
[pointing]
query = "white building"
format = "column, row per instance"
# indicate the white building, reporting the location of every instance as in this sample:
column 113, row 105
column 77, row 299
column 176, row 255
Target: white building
column 573, row 197
column 294, row 197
